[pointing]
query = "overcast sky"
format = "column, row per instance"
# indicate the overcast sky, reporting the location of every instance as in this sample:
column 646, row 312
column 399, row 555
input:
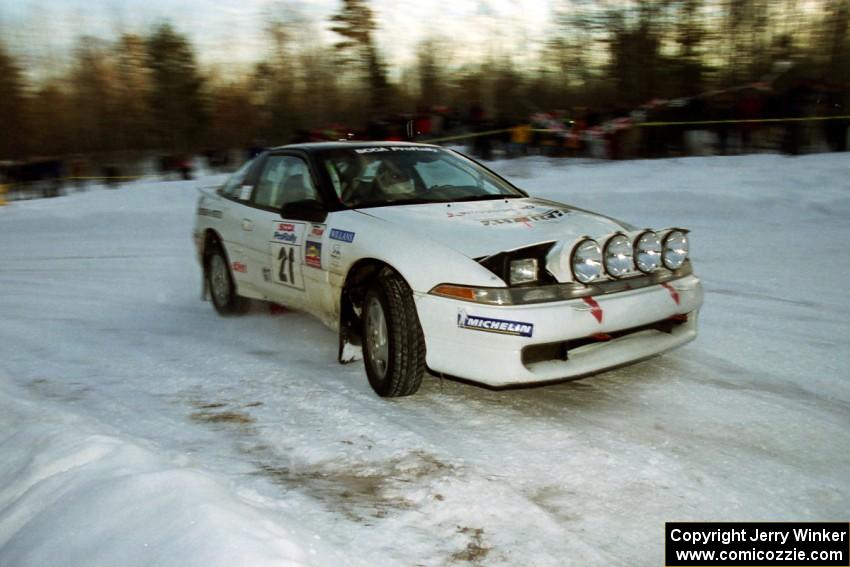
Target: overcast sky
column 230, row 32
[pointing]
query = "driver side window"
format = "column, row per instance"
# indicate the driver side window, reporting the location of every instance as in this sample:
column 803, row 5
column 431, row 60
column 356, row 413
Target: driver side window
column 285, row 179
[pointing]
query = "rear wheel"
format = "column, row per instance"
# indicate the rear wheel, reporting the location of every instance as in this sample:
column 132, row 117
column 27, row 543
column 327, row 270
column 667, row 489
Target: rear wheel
column 393, row 344
column 221, row 286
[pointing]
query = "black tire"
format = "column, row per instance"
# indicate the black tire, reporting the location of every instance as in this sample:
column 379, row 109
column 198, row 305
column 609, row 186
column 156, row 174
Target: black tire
column 220, row 283
column 395, row 365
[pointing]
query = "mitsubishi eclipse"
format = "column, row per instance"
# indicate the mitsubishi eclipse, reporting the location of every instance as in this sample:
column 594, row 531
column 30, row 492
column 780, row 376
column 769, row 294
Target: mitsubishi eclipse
column 422, row 258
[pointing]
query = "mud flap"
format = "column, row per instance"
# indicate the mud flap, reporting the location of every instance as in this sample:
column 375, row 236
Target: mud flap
column 350, row 348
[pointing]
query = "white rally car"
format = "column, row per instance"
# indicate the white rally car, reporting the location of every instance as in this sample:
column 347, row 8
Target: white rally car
column 424, row 258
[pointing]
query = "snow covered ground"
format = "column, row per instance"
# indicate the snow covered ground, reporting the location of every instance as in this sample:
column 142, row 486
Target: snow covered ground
column 138, row 428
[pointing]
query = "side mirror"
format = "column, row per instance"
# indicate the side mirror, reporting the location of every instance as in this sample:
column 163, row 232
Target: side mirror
column 308, row 210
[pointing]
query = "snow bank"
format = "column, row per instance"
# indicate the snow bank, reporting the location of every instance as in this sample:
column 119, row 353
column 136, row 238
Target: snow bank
column 74, row 495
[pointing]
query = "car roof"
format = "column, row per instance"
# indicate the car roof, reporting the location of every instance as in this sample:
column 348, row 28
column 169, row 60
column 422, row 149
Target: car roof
column 341, row 145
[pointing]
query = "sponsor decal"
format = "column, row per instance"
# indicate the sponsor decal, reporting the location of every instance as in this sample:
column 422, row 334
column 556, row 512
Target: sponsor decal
column 673, row 293
column 394, row 149
column 267, row 274
column 318, row 230
column 287, row 237
column 595, row 309
column 501, row 326
column 343, row 235
column 336, row 255
column 313, row 254
column 285, row 232
column 478, row 212
column 204, row 212
column 551, row 214
column 240, row 267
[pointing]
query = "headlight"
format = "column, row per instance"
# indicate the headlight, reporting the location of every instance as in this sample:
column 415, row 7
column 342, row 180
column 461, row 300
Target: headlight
column 674, row 249
column 618, row 256
column 647, row 251
column 586, row 261
column 523, row 271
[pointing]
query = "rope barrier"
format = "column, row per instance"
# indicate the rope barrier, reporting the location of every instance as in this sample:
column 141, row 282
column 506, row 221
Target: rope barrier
column 488, row 133
column 748, row 121
column 649, row 125
column 472, row 135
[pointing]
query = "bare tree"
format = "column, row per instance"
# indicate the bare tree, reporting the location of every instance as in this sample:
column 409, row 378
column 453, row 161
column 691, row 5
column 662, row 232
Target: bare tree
column 13, row 134
column 92, row 88
column 429, row 73
column 355, row 22
column 176, row 98
column 132, row 119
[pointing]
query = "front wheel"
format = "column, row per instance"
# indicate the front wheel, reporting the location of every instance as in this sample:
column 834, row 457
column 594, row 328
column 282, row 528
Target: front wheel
column 393, row 344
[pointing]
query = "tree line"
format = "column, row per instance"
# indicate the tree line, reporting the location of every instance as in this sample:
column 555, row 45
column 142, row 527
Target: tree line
column 147, row 92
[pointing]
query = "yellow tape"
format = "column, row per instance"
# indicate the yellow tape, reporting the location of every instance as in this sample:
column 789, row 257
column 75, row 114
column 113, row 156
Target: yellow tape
column 96, row 178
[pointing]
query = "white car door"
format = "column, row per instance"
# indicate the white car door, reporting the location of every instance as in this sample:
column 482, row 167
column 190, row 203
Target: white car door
column 235, row 216
column 282, row 249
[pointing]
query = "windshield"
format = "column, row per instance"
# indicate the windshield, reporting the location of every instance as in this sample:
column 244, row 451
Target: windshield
column 392, row 175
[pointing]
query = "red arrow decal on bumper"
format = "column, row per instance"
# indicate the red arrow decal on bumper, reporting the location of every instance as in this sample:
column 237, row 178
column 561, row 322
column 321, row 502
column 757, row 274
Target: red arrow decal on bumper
column 595, row 309
column 673, row 293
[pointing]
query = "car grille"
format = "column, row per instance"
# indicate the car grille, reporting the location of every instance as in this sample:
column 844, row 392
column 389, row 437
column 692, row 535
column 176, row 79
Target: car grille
column 561, row 350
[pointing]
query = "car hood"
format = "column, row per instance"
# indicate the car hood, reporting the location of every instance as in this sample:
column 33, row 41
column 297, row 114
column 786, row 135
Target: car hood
column 482, row 228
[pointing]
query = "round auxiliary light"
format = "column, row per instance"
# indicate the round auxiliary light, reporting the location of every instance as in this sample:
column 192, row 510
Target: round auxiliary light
column 674, row 249
column 586, row 261
column 618, row 256
column 647, row 252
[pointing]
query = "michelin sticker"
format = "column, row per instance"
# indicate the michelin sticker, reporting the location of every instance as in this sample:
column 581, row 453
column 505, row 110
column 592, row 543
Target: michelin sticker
column 501, row 326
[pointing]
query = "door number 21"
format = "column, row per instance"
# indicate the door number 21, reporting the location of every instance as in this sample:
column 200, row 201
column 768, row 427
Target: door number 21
column 286, row 273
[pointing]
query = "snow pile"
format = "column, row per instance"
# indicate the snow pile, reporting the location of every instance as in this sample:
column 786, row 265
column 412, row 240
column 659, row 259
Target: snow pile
column 73, row 495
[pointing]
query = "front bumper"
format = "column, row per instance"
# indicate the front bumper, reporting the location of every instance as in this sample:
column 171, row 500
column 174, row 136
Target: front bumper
column 485, row 344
